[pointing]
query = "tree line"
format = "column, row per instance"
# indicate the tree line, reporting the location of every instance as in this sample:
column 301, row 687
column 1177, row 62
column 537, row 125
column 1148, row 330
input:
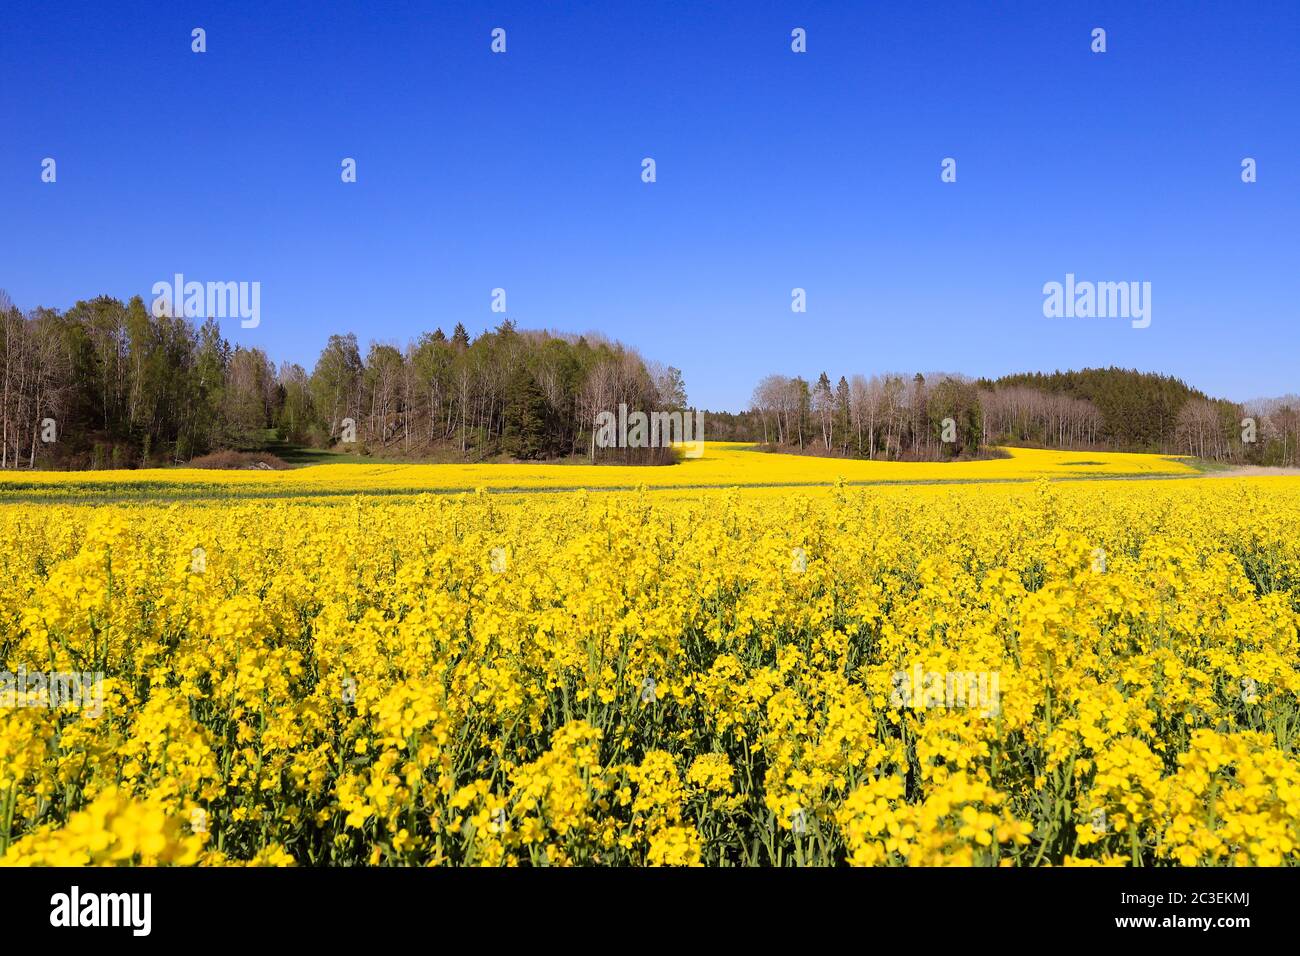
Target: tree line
column 949, row 415
column 1127, row 410
column 107, row 383
column 885, row 416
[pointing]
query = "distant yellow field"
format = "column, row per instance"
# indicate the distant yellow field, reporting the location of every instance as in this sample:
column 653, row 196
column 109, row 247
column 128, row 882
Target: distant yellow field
column 722, row 465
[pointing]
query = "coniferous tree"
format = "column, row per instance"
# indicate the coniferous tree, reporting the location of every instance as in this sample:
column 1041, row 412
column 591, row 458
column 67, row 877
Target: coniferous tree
column 524, row 434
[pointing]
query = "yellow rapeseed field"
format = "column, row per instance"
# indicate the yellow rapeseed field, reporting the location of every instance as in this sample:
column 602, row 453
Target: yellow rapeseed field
column 722, row 465
column 1047, row 672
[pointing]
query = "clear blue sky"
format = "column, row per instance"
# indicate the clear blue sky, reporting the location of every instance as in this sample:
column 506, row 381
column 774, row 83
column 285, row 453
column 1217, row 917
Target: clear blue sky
column 775, row 170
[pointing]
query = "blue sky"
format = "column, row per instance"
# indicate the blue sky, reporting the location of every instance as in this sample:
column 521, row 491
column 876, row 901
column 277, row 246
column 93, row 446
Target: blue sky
column 775, row 170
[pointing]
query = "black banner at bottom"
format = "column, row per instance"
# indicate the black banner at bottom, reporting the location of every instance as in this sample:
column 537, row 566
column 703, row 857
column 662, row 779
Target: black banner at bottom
column 916, row 906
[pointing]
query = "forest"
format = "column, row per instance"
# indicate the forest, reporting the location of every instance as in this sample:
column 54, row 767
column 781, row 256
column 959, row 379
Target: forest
column 107, row 384
column 1113, row 409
